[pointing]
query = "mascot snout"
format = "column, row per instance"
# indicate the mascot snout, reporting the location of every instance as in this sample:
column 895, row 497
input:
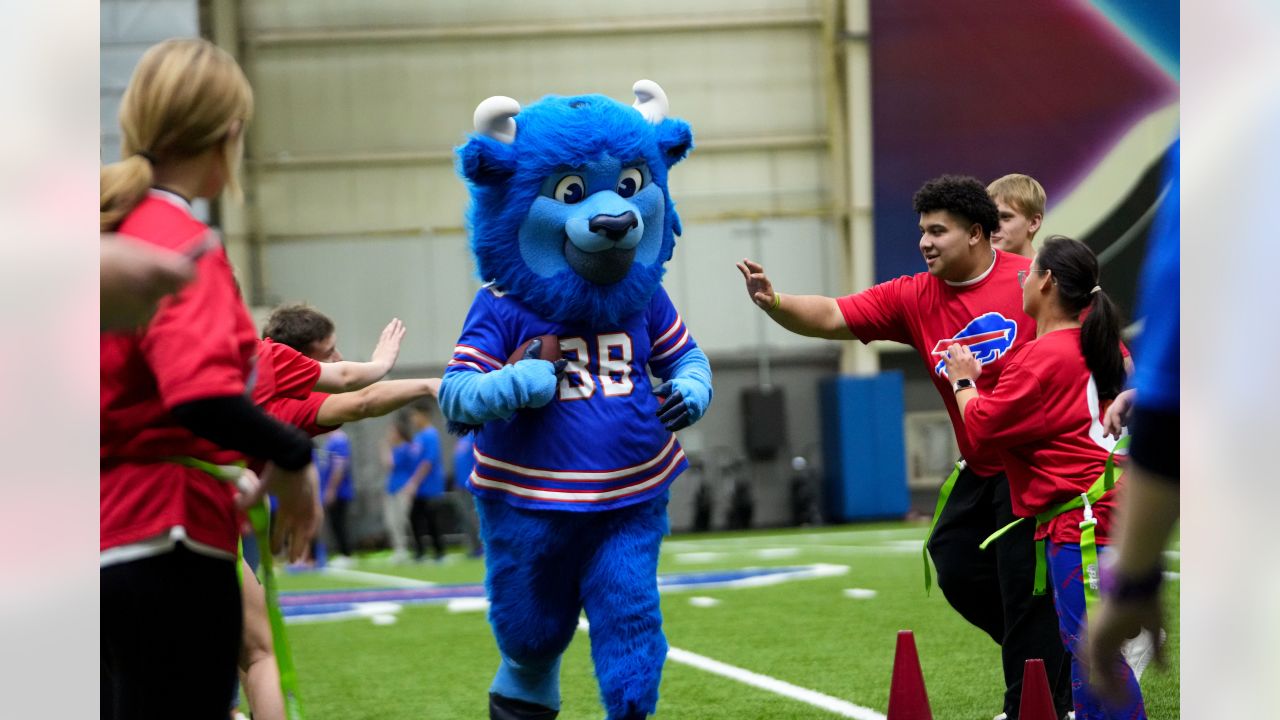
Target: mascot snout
column 602, row 238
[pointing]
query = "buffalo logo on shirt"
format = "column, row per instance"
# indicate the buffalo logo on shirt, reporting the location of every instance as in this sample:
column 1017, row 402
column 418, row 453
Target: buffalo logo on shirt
column 988, row 337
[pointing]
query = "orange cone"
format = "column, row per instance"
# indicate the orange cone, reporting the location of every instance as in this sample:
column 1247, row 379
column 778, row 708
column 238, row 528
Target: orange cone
column 907, row 697
column 1037, row 701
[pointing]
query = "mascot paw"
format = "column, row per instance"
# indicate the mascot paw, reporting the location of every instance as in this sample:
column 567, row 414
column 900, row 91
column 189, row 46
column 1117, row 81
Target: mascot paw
column 674, row 412
column 543, row 347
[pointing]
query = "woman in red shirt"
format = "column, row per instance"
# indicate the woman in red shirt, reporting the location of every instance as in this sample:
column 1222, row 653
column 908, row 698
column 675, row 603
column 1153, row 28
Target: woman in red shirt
column 176, row 417
column 1044, row 419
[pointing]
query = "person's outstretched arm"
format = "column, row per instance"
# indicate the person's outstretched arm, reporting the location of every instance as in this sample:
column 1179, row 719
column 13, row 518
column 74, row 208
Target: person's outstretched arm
column 376, row 400
column 810, row 315
column 346, row 376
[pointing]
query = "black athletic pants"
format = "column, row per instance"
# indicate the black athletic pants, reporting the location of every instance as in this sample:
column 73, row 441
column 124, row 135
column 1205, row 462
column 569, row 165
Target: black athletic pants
column 170, row 637
column 337, row 514
column 992, row 588
column 424, row 517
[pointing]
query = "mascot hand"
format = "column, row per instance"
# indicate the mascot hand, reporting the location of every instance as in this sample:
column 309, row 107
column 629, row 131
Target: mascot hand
column 472, row 399
column 686, row 401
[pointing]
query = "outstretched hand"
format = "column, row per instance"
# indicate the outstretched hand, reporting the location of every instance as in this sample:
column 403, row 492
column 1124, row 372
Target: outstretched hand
column 759, row 289
column 388, row 347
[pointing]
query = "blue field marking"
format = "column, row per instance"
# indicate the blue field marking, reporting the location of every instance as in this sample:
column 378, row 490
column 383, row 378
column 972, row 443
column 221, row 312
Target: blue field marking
column 341, row 604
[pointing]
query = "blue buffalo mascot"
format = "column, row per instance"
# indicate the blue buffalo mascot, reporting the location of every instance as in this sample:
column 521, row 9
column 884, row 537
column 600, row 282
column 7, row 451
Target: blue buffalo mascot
column 571, row 223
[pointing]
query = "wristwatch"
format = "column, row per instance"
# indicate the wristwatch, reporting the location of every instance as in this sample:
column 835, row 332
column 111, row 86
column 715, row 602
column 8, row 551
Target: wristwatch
column 963, row 384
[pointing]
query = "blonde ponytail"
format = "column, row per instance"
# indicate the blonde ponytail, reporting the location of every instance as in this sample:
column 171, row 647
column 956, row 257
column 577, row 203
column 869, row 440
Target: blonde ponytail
column 186, row 96
column 123, row 184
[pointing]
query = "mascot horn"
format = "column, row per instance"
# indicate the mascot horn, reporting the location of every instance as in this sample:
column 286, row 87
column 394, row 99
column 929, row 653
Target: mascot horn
column 571, row 224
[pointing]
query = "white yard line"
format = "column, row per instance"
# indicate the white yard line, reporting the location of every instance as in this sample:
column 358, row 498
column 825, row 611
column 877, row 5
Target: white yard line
column 374, row 578
column 837, row 706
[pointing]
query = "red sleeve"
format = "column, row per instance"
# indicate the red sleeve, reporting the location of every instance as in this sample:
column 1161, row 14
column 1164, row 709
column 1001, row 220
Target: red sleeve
column 1012, row 414
column 195, row 344
column 300, row 413
column 296, row 374
column 878, row 313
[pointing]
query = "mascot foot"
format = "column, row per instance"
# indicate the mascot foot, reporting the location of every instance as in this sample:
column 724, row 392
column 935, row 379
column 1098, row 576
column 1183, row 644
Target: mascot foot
column 505, row 708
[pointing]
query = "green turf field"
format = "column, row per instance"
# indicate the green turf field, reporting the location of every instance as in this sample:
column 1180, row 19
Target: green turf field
column 432, row 663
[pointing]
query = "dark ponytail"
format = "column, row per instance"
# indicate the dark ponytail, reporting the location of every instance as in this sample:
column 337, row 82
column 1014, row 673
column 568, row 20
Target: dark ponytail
column 1074, row 269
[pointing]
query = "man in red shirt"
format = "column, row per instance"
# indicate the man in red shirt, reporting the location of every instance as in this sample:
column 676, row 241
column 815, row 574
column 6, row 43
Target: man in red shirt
column 969, row 295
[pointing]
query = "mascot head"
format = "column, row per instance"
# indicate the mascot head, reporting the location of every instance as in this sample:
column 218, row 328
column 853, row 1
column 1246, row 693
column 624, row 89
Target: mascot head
column 570, row 212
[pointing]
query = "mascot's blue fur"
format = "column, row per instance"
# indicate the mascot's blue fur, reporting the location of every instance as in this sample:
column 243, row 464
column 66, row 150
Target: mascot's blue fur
column 571, row 222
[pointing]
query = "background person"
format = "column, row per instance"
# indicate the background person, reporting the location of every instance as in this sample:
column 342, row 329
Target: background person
column 1020, row 201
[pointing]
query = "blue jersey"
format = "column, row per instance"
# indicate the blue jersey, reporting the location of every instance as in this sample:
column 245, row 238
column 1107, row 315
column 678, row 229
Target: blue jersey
column 337, row 446
column 598, row 445
column 404, row 460
column 426, row 446
column 1156, row 352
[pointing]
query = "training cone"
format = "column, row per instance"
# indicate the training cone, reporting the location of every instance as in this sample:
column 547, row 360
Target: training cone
column 1037, row 701
column 907, row 697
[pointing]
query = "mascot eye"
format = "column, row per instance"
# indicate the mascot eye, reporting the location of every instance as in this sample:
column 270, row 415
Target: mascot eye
column 630, row 182
column 571, row 189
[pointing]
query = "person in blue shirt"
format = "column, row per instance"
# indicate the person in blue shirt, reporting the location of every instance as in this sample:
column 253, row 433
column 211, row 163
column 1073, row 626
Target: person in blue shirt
column 400, row 459
column 426, row 484
column 336, row 489
column 464, row 461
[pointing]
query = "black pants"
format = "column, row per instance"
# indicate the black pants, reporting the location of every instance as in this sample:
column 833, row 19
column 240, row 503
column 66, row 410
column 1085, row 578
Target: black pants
column 337, row 514
column 170, row 637
column 424, row 517
column 992, row 588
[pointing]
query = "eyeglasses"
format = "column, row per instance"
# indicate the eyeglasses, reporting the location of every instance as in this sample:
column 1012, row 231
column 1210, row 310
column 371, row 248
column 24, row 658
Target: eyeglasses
column 1022, row 276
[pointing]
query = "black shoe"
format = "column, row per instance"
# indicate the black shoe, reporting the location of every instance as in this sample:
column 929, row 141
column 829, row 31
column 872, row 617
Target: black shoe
column 505, row 708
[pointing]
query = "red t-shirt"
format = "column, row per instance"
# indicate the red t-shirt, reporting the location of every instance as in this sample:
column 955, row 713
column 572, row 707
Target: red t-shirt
column 200, row 344
column 1044, row 417
column 929, row 314
column 283, row 373
column 300, row 413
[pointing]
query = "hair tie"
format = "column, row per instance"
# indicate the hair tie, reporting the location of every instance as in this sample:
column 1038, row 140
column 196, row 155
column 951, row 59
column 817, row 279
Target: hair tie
column 145, row 155
column 1095, row 290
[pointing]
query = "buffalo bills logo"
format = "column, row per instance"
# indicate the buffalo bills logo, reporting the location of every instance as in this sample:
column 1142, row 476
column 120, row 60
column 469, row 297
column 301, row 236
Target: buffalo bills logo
column 988, row 337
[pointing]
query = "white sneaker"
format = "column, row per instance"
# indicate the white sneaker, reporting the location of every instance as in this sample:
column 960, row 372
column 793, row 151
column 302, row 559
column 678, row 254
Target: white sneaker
column 1139, row 651
column 342, row 562
column 1001, row 716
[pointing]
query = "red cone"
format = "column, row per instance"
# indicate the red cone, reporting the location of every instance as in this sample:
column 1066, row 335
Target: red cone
column 1037, row 702
column 907, row 697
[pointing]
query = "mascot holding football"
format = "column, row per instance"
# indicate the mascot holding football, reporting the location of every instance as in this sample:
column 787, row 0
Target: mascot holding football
column 571, row 224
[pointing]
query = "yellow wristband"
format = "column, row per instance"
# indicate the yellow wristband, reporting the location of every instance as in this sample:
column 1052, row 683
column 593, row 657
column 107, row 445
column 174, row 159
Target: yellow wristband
column 777, row 301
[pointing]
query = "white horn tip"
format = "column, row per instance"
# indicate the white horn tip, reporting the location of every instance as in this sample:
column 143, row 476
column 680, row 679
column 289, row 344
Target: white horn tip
column 651, row 101
column 495, row 117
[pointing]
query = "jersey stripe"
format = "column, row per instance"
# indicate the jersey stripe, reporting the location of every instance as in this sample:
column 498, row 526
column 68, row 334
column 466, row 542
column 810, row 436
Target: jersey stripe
column 672, row 351
column 666, row 334
column 483, row 460
column 471, row 365
column 578, row 496
column 480, row 355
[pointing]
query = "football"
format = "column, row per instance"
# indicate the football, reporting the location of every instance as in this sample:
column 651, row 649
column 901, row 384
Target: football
column 550, row 349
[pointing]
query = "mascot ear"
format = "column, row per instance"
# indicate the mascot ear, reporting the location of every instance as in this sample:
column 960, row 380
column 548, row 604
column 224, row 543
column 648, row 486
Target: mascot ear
column 485, row 161
column 675, row 140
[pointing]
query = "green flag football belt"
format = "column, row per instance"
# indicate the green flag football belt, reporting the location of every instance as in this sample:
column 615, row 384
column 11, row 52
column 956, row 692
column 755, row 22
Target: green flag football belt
column 1105, row 483
column 260, row 518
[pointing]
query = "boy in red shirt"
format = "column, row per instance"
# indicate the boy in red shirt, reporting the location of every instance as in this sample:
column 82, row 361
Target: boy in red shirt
column 969, row 295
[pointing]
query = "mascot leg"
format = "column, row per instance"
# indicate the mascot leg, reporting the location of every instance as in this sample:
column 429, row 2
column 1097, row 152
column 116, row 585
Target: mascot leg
column 620, row 594
column 532, row 571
